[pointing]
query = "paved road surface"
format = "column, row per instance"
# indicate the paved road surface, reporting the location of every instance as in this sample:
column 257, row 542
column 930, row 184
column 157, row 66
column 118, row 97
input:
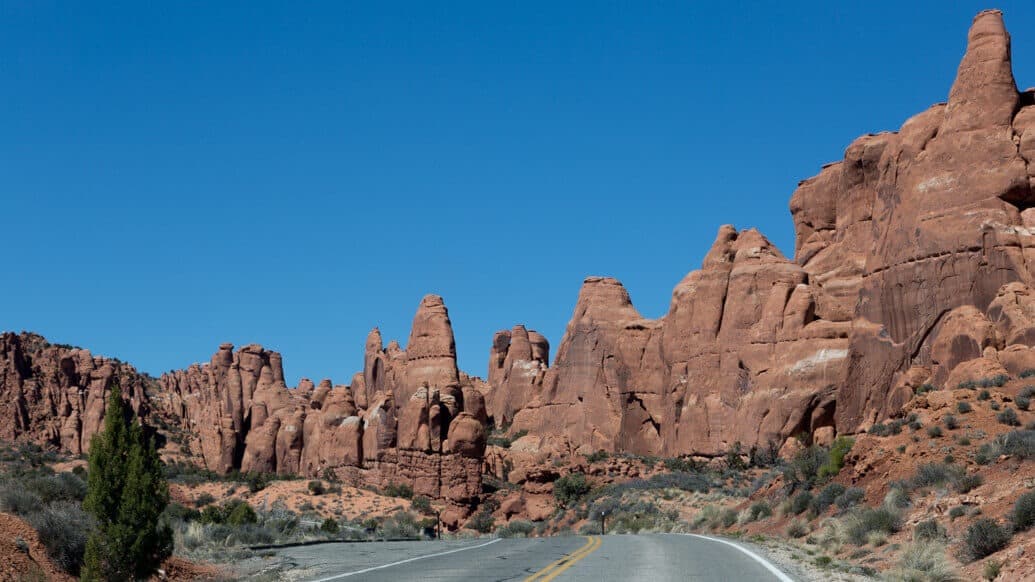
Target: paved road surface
column 654, row 557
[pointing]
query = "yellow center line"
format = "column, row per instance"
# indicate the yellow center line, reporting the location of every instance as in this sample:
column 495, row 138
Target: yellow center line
column 554, row 569
column 549, row 567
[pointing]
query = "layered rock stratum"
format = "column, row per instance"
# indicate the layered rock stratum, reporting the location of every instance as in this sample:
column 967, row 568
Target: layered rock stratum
column 910, row 268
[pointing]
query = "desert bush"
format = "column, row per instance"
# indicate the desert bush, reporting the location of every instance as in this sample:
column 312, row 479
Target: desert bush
column 569, row 489
column 733, row 459
column 14, row 498
column 827, row 497
column 984, row 395
column 985, row 454
column 57, row 487
column 934, row 474
column 984, row 537
column 481, row 522
column 925, row 388
column 849, row 498
column 234, row 512
column 1022, row 402
column 963, row 407
column 992, row 569
column 1023, row 515
column 897, row 497
column 1018, row 443
column 967, row 385
column 924, row 561
column 759, row 510
column 401, row 490
column 928, row 530
column 803, row 471
column 257, row 481
column 893, row 427
column 241, row 514
column 1027, row 373
column 966, row 483
column 176, row 512
column 999, row 380
column 797, row 529
column 421, row 504
column 835, row 458
column 677, row 480
column 316, row 488
column 801, row 502
column 204, row 499
column 1008, row 417
column 518, row 528
column 500, row 439
column 859, row 524
column 950, row 422
column 934, row 431
column 680, row 464
column 330, row 526
column 995, row 406
column 63, row 529
column 957, row 512
column 727, row 517
column 600, row 455
column 764, row 456
column 404, row 525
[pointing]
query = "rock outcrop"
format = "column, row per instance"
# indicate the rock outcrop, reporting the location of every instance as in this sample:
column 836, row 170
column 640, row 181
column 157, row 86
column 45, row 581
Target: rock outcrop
column 55, row 395
column 910, row 259
column 405, row 418
column 518, row 361
column 910, row 268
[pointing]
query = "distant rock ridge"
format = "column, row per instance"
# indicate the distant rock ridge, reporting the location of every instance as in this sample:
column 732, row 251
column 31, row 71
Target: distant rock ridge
column 910, row 268
column 55, row 394
column 405, row 419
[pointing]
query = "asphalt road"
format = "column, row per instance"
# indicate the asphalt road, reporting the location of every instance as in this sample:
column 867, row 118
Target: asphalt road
column 654, row 557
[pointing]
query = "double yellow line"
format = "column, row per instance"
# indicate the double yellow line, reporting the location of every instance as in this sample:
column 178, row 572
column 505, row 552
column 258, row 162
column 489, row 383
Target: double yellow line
column 556, row 568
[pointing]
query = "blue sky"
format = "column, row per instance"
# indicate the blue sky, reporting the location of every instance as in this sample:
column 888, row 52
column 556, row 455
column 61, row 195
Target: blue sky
column 178, row 176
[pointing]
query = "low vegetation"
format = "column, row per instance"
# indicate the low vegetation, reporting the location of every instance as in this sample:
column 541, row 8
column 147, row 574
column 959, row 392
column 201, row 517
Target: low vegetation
column 570, row 489
column 983, row 538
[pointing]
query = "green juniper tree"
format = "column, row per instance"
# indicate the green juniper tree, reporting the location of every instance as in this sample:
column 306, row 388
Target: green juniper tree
column 126, row 495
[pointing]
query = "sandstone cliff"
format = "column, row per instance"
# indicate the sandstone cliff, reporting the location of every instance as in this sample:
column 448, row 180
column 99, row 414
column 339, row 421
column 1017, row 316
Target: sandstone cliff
column 913, row 233
column 55, row 395
column 910, row 268
column 405, row 419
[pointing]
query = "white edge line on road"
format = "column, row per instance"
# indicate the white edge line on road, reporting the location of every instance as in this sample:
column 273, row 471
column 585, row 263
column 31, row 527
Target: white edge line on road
column 768, row 566
column 364, row 571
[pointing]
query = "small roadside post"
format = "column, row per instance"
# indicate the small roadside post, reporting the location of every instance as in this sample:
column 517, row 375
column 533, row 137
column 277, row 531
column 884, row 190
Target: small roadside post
column 603, row 517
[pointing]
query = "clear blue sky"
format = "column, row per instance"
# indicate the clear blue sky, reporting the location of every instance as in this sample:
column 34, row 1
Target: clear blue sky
column 178, row 176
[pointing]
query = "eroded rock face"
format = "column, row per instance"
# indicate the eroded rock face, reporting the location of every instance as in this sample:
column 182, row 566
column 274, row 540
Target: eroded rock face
column 740, row 357
column 910, row 260
column 405, row 419
column 56, row 395
column 910, row 268
column 517, row 364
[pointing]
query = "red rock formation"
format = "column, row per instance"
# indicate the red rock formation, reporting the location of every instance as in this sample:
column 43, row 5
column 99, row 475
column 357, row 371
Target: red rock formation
column 244, row 417
column 901, row 250
column 910, row 268
column 740, row 356
column 517, row 362
column 55, row 395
